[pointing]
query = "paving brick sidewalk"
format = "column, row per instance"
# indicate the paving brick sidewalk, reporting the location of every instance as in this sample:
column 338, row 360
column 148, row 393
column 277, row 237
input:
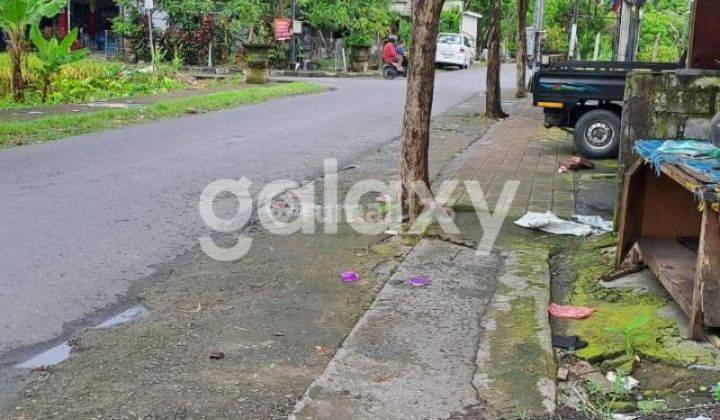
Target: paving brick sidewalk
column 476, row 342
column 521, row 148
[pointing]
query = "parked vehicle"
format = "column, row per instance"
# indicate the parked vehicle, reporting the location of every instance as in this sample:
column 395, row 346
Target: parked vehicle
column 587, row 97
column 455, row 50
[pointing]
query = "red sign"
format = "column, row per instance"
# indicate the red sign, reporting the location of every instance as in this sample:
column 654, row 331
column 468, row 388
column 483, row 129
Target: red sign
column 283, row 29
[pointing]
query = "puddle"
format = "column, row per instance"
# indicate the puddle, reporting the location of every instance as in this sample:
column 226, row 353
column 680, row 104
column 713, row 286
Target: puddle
column 49, row 357
column 643, row 281
column 123, row 317
column 107, row 105
column 61, row 352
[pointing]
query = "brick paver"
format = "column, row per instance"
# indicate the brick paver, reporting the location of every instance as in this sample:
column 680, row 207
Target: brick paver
column 521, row 148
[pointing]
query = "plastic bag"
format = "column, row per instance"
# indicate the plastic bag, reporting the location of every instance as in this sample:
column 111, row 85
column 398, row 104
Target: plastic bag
column 549, row 222
column 687, row 147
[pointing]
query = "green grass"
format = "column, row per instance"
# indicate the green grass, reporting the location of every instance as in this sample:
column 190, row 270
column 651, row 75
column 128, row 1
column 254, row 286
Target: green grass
column 14, row 133
column 84, row 81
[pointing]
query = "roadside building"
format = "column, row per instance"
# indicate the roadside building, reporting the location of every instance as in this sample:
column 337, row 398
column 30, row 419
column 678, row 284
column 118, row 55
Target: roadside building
column 93, row 18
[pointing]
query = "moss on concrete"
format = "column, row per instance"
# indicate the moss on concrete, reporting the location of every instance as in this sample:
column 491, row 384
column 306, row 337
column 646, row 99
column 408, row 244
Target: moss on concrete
column 659, row 339
column 589, row 259
column 387, row 249
column 519, row 362
column 515, row 349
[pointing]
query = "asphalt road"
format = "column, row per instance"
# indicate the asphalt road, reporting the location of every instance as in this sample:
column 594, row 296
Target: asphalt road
column 83, row 220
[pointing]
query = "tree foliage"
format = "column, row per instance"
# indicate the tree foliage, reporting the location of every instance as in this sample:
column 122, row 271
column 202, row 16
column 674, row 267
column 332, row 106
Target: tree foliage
column 668, row 21
column 196, row 26
column 665, row 20
column 15, row 17
column 450, row 20
column 362, row 22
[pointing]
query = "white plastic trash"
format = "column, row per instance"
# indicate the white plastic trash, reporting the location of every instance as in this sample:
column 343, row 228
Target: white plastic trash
column 549, row 222
column 595, row 221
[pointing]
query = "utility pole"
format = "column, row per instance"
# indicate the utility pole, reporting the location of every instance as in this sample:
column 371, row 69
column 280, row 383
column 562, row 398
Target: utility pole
column 596, row 48
column 629, row 30
column 293, row 51
column 152, row 42
column 573, row 47
column 539, row 30
column 149, row 6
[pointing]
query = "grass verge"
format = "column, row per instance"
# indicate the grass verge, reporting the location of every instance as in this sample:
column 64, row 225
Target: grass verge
column 15, row 133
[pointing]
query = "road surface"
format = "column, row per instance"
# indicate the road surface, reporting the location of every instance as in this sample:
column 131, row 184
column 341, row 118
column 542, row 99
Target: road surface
column 85, row 221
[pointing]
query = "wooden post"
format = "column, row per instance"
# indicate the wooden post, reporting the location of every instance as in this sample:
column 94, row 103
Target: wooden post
column 630, row 215
column 704, row 38
column 708, row 301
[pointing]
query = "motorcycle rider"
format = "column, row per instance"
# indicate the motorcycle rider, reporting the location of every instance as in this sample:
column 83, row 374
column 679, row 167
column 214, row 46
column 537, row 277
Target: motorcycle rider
column 390, row 56
column 400, row 51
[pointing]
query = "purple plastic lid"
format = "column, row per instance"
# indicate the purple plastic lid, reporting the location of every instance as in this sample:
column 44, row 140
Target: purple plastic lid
column 420, row 281
column 349, row 276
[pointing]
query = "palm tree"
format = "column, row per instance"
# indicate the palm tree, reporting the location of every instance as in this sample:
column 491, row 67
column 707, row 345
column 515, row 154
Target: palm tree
column 15, row 17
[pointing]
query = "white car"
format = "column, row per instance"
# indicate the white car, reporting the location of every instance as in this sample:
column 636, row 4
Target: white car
column 455, row 50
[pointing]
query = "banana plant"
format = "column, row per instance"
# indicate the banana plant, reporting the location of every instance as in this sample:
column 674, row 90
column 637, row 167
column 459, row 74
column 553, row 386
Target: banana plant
column 53, row 54
column 15, row 17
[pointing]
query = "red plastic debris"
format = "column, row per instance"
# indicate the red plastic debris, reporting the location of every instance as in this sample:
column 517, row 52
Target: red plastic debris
column 571, row 312
column 574, row 163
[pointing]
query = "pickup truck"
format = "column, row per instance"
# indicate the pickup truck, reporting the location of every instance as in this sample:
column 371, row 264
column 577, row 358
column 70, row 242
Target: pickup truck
column 587, row 97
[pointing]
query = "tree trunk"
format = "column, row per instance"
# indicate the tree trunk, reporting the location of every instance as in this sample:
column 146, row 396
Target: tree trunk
column 16, row 46
column 418, row 103
column 493, row 104
column 521, row 55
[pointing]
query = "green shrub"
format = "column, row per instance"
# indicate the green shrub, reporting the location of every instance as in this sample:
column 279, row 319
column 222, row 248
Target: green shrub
column 85, row 80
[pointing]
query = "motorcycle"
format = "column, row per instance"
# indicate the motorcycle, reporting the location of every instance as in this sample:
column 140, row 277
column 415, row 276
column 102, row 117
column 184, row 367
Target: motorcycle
column 390, row 72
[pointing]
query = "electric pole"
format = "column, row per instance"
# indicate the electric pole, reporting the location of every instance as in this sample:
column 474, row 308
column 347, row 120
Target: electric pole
column 293, row 51
column 629, row 30
column 538, row 31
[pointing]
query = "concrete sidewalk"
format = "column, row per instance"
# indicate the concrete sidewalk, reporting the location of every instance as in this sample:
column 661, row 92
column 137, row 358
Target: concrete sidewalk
column 476, row 342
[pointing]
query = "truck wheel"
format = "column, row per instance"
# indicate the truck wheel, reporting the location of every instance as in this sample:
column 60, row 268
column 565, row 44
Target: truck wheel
column 597, row 134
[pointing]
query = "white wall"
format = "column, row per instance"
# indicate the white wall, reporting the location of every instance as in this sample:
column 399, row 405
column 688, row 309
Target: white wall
column 469, row 25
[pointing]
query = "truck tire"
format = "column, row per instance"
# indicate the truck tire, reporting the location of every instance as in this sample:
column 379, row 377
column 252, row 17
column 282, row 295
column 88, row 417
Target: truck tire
column 597, row 134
